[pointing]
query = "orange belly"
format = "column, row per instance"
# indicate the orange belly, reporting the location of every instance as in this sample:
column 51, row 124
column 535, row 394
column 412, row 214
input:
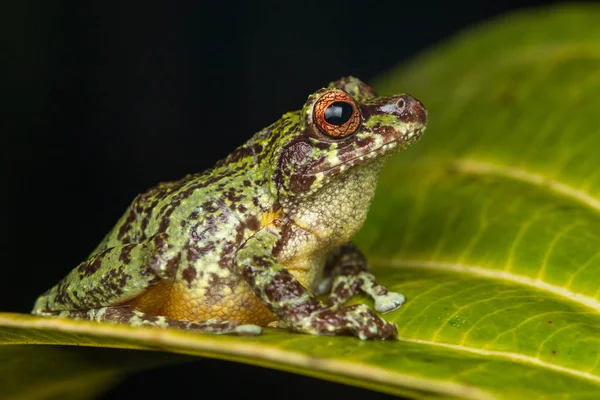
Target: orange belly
column 177, row 301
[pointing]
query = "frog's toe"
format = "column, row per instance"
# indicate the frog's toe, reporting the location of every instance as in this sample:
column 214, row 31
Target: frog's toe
column 323, row 287
column 278, row 325
column 248, row 330
column 389, row 302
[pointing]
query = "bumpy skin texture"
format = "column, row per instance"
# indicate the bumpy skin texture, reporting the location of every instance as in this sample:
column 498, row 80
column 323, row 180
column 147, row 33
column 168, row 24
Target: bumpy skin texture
column 248, row 242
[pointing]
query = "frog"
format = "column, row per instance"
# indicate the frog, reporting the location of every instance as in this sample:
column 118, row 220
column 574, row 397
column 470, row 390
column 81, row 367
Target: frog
column 263, row 238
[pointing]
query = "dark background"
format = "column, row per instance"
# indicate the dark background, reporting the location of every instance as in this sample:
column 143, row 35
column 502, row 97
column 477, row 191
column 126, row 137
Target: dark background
column 102, row 100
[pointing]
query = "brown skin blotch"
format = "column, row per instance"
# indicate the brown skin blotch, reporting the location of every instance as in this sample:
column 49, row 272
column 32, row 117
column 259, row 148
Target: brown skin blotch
column 126, row 227
column 115, row 279
column 166, row 219
column 210, row 207
column 164, row 224
column 282, row 287
column 364, row 142
column 160, row 241
column 239, row 233
column 233, row 196
column 252, row 223
column 123, row 280
column 88, row 268
column 296, row 152
column 143, row 227
column 383, row 130
column 291, row 158
column 300, row 183
column 61, row 296
column 349, row 151
column 173, row 265
column 286, row 230
column 189, row 274
column 125, row 255
column 117, row 314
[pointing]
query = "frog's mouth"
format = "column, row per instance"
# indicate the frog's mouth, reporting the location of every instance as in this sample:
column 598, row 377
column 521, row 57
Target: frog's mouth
column 388, row 142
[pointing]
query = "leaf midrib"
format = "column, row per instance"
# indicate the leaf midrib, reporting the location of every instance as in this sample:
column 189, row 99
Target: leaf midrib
column 251, row 352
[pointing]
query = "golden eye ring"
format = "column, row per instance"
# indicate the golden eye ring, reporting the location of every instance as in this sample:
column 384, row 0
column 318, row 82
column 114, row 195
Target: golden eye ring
column 336, row 114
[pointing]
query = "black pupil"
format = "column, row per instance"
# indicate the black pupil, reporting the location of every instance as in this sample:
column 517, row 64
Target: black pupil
column 338, row 113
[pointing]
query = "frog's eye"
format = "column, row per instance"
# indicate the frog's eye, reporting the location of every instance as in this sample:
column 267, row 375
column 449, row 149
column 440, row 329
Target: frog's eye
column 336, row 114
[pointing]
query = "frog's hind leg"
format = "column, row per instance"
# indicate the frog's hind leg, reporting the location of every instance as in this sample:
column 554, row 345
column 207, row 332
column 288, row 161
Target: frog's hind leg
column 103, row 288
column 127, row 315
column 347, row 274
column 113, row 276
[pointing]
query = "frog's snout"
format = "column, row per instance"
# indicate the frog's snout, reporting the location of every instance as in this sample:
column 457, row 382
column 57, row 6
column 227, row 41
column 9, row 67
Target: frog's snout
column 411, row 110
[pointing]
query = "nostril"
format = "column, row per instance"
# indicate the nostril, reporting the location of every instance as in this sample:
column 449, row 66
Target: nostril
column 411, row 109
column 401, row 103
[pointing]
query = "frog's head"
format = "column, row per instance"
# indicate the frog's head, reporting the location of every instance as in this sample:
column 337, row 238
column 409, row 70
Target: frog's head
column 341, row 128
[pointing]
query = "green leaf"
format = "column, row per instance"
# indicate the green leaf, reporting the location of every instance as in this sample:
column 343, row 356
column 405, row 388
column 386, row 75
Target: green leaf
column 490, row 226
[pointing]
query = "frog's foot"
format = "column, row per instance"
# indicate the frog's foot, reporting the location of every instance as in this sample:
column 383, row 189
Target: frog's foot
column 357, row 320
column 293, row 304
column 385, row 301
column 347, row 274
column 126, row 315
column 389, row 302
column 345, row 286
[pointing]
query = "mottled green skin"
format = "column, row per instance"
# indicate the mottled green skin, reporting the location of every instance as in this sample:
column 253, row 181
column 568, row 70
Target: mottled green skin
column 249, row 241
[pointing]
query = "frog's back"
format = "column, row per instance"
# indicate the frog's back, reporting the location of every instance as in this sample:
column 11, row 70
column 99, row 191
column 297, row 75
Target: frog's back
column 149, row 213
column 213, row 196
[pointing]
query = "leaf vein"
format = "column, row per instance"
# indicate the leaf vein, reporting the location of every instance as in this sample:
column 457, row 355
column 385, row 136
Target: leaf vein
column 561, row 292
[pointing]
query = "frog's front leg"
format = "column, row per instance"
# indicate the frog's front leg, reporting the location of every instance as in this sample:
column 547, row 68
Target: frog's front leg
column 294, row 304
column 347, row 274
column 104, row 287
